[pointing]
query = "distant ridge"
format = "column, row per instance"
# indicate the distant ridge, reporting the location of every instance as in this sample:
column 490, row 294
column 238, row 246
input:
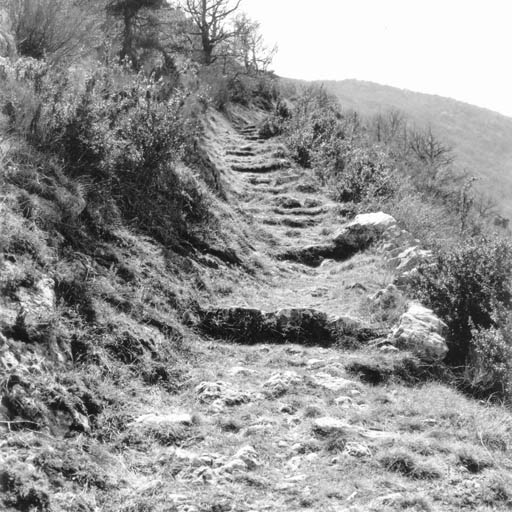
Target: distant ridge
column 481, row 138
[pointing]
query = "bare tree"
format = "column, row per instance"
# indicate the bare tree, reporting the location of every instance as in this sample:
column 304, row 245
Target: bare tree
column 249, row 46
column 209, row 18
column 429, row 149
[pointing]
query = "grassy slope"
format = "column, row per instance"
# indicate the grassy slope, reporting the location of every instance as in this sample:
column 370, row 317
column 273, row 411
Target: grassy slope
column 407, row 446
column 482, row 139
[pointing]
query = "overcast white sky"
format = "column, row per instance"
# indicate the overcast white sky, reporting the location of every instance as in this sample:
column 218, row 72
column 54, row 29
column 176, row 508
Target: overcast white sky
column 456, row 48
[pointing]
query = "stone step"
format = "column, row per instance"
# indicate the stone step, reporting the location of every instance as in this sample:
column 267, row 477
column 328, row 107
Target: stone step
column 310, row 212
column 260, row 167
column 295, row 325
column 298, row 222
column 241, row 152
column 260, row 180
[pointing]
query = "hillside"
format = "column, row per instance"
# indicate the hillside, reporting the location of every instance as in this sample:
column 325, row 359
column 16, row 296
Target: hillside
column 482, row 139
column 277, row 389
column 217, row 299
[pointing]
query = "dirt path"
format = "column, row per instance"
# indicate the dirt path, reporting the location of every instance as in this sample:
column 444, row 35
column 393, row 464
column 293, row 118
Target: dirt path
column 290, row 427
column 289, row 214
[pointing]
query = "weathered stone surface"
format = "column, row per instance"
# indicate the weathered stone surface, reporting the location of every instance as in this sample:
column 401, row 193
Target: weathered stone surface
column 328, row 425
column 421, row 332
column 358, row 450
column 410, row 259
column 365, row 228
column 165, row 419
column 357, row 235
column 314, row 364
column 280, row 383
column 335, row 384
column 222, row 392
column 31, row 308
column 295, row 325
column 249, row 456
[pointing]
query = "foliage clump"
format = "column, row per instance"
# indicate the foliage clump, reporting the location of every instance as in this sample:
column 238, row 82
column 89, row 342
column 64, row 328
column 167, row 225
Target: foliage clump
column 470, row 286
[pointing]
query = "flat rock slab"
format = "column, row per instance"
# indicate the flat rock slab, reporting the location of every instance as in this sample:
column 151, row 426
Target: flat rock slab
column 328, row 426
column 335, row 384
column 164, row 419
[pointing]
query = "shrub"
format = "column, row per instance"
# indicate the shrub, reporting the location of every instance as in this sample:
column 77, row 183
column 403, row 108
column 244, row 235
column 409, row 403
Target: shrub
column 466, row 285
column 491, row 360
column 51, row 29
column 315, row 122
column 122, row 135
column 335, row 146
column 361, row 174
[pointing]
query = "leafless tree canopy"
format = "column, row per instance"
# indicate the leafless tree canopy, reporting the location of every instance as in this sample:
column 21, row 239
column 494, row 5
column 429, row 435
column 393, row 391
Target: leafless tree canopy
column 430, row 150
column 209, row 18
column 249, row 46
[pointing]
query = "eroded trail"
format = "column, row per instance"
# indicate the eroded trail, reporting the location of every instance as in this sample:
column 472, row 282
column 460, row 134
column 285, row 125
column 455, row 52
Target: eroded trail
column 298, row 227
column 288, row 394
column 275, row 417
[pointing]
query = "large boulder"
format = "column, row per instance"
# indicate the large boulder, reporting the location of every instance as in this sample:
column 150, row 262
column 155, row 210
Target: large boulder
column 365, row 227
column 421, row 332
column 365, row 230
column 355, row 236
column 410, row 258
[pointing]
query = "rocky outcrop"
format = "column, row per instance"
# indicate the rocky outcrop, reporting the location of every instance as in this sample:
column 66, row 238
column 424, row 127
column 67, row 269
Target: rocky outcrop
column 296, row 325
column 28, row 309
column 355, row 236
column 421, row 332
column 409, row 259
column 280, row 383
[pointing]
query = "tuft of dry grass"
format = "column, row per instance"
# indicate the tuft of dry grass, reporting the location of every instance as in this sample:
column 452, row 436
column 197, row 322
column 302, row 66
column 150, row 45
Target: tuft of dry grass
column 410, row 465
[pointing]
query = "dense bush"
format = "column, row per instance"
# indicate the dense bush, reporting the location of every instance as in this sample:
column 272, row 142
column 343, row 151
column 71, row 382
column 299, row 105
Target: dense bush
column 365, row 174
column 490, row 370
column 335, row 145
column 231, row 85
column 123, row 136
column 55, row 30
column 468, row 286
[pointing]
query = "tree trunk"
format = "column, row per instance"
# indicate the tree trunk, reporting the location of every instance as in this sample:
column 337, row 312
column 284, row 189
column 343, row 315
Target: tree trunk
column 127, row 46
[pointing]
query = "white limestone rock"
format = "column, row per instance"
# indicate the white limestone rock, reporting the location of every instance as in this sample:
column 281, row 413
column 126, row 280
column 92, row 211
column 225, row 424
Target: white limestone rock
column 222, row 392
column 280, row 383
column 335, row 384
column 365, row 229
column 329, row 425
column 410, row 259
column 154, row 419
column 421, row 332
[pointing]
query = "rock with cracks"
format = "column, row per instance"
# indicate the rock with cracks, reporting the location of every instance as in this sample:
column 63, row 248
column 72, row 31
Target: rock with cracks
column 302, row 326
column 421, row 332
column 355, row 236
